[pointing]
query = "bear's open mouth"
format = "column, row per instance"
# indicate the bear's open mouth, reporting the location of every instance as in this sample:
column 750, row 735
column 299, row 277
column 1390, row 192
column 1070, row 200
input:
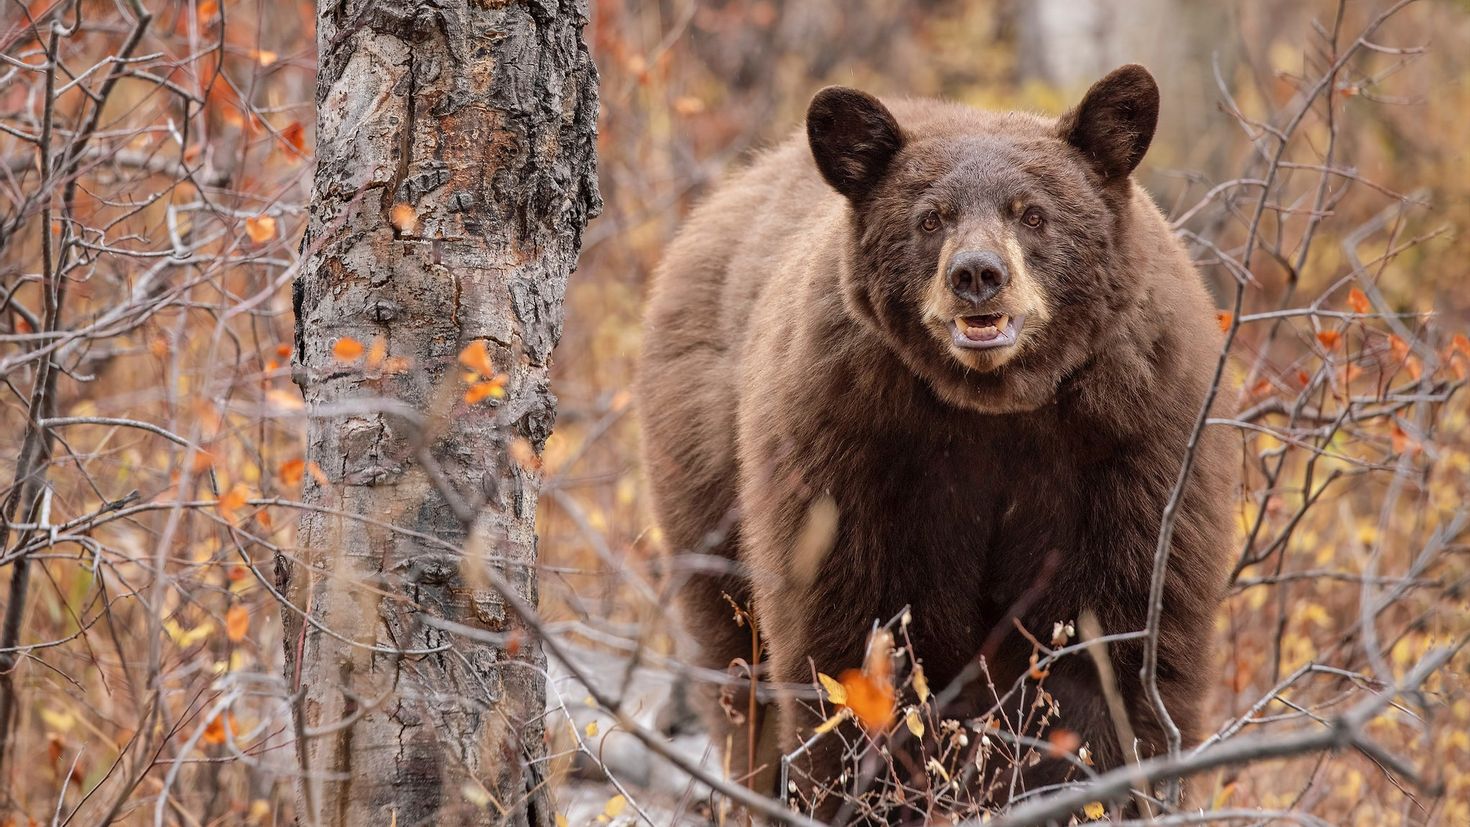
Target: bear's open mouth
column 985, row 331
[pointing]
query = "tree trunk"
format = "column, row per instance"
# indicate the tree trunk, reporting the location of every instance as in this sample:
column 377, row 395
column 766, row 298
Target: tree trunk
column 455, row 174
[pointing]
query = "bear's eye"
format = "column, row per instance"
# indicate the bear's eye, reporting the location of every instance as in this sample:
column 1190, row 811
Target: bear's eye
column 931, row 221
column 1032, row 218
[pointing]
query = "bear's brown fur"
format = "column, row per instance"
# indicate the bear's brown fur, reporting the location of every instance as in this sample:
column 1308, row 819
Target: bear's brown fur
column 814, row 338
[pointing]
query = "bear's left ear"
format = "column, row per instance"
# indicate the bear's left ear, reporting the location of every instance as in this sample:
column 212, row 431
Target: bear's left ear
column 853, row 138
column 1114, row 123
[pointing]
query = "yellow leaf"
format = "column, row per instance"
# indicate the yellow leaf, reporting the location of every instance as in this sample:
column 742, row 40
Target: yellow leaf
column 237, row 623
column 914, row 722
column 1093, row 810
column 614, row 806
column 475, row 794
column 832, row 722
column 476, row 357
column 347, row 349
column 260, row 228
column 59, row 721
column 591, row 729
column 921, row 684
column 561, row 820
column 405, row 219
column 835, row 693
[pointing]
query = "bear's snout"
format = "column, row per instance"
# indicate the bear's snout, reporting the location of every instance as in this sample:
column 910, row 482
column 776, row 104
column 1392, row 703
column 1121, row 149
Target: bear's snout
column 976, row 276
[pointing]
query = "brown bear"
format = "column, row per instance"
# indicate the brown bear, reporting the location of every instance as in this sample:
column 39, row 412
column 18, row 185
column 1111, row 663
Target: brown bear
column 971, row 343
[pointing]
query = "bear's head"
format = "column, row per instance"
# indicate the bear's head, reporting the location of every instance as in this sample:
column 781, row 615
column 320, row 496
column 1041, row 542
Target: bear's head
column 986, row 249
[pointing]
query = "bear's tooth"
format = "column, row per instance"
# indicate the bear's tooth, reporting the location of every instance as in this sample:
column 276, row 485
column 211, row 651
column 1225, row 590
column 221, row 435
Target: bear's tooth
column 1003, row 322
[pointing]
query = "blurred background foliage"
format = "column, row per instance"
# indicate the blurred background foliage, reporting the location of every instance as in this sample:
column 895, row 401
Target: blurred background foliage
column 688, row 90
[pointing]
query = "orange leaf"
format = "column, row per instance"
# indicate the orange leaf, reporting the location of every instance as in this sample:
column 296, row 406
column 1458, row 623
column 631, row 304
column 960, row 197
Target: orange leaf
column 1358, row 301
column 1461, row 343
column 260, row 228
column 1400, row 439
column 283, row 350
column 524, row 454
column 377, row 353
column 233, row 501
column 1063, row 741
column 237, row 573
column 208, row 10
column 1036, row 672
column 291, row 471
column 1224, row 317
column 1328, row 338
column 295, row 137
column 203, row 461
column 214, row 732
column 317, row 474
column 347, row 349
column 476, row 357
column 871, row 701
column 1399, row 347
column 237, row 623
column 284, row 399
column 480, row 391
column 404, row 219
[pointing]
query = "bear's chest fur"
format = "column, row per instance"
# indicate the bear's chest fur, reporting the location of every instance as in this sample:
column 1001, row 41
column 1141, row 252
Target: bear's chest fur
column 974, row 522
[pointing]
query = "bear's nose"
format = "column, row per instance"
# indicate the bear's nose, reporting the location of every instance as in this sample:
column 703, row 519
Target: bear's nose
column 976, row 275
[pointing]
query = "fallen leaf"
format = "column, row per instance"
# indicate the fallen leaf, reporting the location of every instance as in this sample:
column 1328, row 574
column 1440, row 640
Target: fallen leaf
column 1093, row 810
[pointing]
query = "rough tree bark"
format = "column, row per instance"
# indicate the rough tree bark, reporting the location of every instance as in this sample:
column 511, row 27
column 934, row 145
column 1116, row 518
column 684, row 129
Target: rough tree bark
column 455, row 174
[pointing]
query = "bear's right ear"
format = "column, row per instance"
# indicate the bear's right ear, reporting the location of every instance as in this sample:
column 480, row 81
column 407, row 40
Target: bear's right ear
column 1114, row 124
column 853, row 138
